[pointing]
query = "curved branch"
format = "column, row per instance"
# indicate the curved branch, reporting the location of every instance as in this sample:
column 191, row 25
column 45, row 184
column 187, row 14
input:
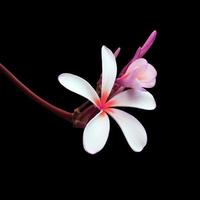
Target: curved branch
column 58, row 111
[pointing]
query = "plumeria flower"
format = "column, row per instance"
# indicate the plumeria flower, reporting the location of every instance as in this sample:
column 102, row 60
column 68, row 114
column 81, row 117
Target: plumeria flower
column 140, row 74
column 97, row 129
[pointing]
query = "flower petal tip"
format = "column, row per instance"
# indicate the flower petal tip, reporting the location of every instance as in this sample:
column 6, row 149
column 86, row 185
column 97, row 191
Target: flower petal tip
column 61, row 77
column 89, row 151
column 139, row 149
column 104, row 48
column 154, row 33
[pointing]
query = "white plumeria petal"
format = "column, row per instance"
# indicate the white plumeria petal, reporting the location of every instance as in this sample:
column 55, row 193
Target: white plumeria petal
column 96, row 133
column 134, row 98
column 109, row 71
column 78, row 85
column 133, row 130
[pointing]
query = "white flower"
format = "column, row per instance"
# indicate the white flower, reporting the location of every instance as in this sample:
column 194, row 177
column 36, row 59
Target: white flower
column 97, row 130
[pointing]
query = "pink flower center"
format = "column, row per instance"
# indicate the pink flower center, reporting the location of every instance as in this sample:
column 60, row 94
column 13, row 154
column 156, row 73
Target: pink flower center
column 103, row 104
column 141, row 76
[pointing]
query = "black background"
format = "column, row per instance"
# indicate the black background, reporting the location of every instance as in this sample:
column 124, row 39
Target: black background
column 39, row 42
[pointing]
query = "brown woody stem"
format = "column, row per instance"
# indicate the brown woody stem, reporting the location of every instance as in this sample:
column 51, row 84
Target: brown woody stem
column 58, row 111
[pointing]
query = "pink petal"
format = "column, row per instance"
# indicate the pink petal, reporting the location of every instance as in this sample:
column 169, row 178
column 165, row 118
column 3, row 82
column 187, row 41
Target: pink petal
column 150, row 72
column 134, row 98
column 149, row 84
column 140, row 63
column 148, row 77
column 149, row 42
column 78, row 85
column 139, row 74
column 109, row 71
column 133, row 130
column 129, row 82
column 117, row 52
column 96, row 133
column 128, row 79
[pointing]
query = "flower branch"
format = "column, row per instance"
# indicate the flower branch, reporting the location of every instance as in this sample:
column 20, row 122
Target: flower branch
column 58, row 111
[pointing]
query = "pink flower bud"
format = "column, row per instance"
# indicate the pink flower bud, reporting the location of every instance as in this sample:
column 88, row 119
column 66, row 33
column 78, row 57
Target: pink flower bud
column 140, row 74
